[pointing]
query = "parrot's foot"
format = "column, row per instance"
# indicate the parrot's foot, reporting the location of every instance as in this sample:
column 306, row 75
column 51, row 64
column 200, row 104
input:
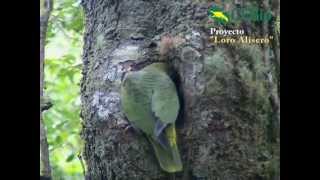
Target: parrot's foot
column 127, row 128
column 130, row 128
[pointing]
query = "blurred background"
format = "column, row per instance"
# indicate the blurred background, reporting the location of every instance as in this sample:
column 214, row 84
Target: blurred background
column 62, row 78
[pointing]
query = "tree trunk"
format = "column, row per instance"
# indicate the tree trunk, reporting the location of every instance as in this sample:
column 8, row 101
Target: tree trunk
column 229, row 122
column 45, row 10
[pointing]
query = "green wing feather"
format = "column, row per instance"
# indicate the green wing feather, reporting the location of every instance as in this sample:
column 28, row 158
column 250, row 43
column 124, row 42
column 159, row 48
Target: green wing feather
column 136, row 104
column 165, row 102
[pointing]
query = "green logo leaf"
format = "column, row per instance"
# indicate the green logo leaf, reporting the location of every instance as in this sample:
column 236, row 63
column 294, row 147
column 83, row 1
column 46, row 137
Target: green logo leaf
column 217, row 14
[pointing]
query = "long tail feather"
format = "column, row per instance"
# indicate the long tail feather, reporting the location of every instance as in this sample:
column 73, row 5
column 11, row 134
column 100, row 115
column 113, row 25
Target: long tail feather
column 168, row 158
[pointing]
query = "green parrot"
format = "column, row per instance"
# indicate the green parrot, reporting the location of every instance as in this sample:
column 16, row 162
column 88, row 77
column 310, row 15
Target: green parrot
column 150, row 102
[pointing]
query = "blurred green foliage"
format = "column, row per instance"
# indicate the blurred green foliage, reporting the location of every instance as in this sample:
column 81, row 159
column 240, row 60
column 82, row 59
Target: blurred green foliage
column 62, row 78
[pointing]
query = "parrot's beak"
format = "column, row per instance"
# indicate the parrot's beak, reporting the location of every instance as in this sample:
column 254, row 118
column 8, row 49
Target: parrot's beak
column 125, row 69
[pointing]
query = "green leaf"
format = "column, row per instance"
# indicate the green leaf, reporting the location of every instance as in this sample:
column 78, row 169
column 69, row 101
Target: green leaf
column 62, row 78
column 70, row 157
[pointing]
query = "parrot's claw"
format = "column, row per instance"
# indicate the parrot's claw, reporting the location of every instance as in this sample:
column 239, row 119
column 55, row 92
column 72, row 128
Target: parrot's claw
column 128, row 128
column 132, row 129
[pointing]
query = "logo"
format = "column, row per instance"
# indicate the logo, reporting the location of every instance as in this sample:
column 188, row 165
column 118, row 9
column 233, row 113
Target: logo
column 235, row 15
column 218, row 15
column 238, row 14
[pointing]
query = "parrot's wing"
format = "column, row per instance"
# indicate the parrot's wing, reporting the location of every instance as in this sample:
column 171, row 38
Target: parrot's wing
column 136, row 104
column 164, row 103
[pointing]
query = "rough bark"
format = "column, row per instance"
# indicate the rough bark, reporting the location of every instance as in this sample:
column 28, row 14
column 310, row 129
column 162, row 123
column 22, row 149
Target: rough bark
column 229, row 122
column 45, row 10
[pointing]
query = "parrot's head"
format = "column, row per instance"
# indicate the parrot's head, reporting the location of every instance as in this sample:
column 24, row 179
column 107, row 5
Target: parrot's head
column 167, row 44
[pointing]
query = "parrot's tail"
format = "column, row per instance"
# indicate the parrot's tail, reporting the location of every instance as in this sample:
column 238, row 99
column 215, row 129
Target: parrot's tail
column 169, row 158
